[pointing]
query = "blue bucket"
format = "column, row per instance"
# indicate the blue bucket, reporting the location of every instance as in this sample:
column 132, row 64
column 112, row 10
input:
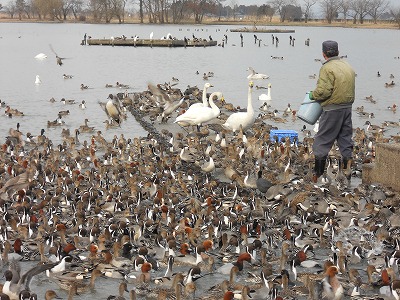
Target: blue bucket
column 309, row 111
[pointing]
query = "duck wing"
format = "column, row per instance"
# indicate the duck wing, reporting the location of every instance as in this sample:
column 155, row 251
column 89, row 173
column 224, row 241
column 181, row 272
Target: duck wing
column 14, row 184
column 159, row 94
column 19, row 179
column 27, row 277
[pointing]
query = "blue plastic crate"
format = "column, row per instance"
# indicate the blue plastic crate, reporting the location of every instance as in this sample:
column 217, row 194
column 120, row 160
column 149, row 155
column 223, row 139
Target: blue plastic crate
column 282, row 134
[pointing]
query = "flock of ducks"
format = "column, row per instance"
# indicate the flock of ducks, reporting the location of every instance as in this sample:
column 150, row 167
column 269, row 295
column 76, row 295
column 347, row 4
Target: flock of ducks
column 208, row 205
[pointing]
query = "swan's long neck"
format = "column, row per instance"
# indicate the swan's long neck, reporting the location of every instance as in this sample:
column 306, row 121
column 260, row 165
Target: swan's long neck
column 269, row 92
column 205, row 102
column 214, row 107
column 249, row 101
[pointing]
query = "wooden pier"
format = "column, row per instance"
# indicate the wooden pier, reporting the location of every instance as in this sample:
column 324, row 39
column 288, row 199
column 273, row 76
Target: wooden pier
column 151, row 43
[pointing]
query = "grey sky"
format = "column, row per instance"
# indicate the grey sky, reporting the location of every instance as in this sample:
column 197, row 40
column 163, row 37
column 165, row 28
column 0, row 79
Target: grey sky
column 396, row 3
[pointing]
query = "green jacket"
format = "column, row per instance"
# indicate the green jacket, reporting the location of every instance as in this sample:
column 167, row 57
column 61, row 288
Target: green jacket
column 336, row 84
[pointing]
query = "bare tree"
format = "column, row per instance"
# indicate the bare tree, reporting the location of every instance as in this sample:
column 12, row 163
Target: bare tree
column 11, row 9
column 361, row 8
column 234, row 5
column 377, row 8
column 101, row 10
column 345, row 7
column 219, row 3
column 20, row 7
column 308, row 4
column 76, row 7
column 330, row 8
column 266, row 10
column 307, row 8
column 118, row 9
column 177, row 10
column 280, row 7
column 395, row 13
column 200, row 7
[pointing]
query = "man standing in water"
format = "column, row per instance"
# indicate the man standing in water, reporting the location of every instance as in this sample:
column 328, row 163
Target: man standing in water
column 335, row 92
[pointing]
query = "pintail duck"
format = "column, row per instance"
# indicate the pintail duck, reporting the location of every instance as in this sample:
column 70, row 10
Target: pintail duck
column 82, row 105
column 113, row 109
column 85, row 127
column 13, row 112
column 63, row 113
column 82, row 285
column 67, row 101
column 14, row 282
column 39, row 139
column 84, row 87
column 57, row 122
column 121, row 85
column 65, row 76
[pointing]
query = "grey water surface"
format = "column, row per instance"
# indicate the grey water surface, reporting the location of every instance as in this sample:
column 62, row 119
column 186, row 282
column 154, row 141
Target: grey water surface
column 368, row 50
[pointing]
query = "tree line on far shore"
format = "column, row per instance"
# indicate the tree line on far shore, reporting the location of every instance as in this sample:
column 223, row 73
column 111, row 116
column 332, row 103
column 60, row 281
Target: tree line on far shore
column 179, row 11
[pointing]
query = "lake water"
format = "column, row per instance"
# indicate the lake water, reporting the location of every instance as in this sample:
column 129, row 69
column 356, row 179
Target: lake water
column 367, row 50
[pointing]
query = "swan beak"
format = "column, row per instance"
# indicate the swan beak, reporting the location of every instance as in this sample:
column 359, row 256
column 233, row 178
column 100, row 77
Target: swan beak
column 223, row 100
column 251, row 83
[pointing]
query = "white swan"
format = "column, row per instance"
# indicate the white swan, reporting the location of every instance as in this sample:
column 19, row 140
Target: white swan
column 41, row 56
column 255, row 76
column 38, row 80
column 151, row 35
column 266, row 97
column 207, row 85
column 199, row 115
column 246, row 119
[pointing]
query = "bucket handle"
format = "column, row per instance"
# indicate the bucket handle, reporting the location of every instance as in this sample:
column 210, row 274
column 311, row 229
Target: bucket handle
column 308, row 102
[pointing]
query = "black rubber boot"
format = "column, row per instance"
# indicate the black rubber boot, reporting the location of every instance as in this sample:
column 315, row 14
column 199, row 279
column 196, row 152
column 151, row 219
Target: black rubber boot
column 347, row 167
column 319, row 168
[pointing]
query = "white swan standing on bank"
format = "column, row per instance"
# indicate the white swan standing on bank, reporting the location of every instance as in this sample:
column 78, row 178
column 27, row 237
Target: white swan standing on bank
column 207, row 85
column 255, row 76
column 199, row 115
column 246, row 119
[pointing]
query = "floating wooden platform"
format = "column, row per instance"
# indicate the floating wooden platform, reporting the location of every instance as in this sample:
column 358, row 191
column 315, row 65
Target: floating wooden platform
column 262, row 30
column 151, row 43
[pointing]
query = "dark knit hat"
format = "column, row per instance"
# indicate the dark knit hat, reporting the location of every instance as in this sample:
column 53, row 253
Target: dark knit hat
column 330, row 48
